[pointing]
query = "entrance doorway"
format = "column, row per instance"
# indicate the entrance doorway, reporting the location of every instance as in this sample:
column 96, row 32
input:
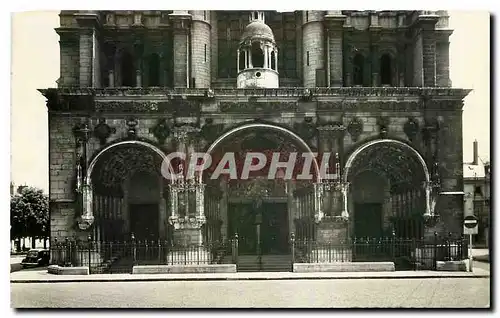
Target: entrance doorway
column 368, row 220
column 144, row 220
column 274, row 228
column 242, row 221
column 262, row 230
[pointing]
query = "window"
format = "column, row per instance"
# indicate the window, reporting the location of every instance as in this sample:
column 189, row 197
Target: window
column 273, row 61
column 257, row 55
column 204, row 15
column 477, row 190
column 307, row 58
column 154, row 70
column 307, row 16
column 205, row 52
column 242, row 61
column 385, row 69
column 358, row 62
column 127, row 69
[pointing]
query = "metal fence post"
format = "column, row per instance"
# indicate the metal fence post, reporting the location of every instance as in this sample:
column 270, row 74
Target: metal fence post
column 236, row 248
column 393, row 245
column 54, row 259
column 434, row 265
column 449, row 256
column 89, row 238
column 134, row 256
column 68, row 252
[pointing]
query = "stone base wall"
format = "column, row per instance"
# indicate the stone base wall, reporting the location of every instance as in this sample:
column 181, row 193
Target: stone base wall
column 344, row 267
column 184, row 269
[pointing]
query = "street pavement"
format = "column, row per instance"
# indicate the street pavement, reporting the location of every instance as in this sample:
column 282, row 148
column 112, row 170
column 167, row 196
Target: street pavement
column 335, row 293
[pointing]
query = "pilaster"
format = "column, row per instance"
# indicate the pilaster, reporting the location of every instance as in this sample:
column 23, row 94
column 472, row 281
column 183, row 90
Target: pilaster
column 334, row 21
column 89, row 74
column 181, row 22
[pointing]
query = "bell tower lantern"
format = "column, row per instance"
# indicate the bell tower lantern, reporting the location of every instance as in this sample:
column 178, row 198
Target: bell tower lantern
column 257, row 55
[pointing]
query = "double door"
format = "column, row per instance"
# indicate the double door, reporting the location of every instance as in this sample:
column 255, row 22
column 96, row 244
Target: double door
column 260, row 231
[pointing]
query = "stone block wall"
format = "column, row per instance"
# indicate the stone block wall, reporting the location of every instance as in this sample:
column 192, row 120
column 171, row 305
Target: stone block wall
column 69, row 62
column 451, row 171
column 86, row 62
column 180, row 58
column 418, row 62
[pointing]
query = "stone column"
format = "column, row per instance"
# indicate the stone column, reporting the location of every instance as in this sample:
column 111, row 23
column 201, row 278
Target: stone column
column 375, row 66
column 335, row 26
column 181, row 21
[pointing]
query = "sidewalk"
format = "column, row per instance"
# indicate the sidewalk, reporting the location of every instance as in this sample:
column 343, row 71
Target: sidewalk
column 481, row 254
column 41, row 276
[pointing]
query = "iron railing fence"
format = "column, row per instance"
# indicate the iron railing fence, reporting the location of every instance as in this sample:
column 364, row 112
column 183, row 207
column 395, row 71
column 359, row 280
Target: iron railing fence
column 121, row 256
column 406, row 253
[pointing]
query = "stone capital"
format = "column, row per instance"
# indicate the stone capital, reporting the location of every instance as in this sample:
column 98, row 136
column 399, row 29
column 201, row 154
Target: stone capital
column 183, row 133
column 187, row 222
column 332, row 130
column 85, row 222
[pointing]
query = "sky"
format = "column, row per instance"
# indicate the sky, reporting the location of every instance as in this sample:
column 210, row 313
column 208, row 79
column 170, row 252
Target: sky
column 35, row 64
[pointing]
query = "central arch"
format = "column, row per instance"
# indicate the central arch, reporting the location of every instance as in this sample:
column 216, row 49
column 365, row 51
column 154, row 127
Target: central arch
column 264, row 212
column 270, row 127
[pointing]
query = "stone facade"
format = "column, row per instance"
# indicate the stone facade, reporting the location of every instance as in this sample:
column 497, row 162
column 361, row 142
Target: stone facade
column 418, row 114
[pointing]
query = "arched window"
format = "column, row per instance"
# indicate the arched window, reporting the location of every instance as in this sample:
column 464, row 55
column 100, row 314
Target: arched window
column 242, row 61
column 257, row 55
column 357, row 67
column 127, row 69
column 154, row 70
column 273, row 61
column 385, row 69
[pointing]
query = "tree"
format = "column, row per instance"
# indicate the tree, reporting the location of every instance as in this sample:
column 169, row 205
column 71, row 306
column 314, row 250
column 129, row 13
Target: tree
column 29, row 214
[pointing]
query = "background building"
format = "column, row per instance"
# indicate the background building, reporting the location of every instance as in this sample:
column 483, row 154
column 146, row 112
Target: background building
column 372, row 87
column 477, row 190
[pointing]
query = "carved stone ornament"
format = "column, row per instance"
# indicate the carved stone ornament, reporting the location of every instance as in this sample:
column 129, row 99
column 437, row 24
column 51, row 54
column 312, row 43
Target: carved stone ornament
column 355, row 128
column 183, row 133
column 335, row 129
column 132, row 131
column 306, row 129
column 102, row 131
column 383, row 124
column 211, row 131
column 411, row 128
column 187, row 222
column 161, row 130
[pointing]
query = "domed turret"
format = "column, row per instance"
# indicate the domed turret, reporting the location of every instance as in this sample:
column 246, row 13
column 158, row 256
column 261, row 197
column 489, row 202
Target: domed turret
column 257, row 55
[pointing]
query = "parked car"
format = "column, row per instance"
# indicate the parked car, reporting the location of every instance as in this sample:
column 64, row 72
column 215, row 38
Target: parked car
column 36, row 257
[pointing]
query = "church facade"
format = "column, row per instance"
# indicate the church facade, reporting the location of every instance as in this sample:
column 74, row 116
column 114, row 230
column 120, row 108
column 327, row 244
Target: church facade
column 371, row 88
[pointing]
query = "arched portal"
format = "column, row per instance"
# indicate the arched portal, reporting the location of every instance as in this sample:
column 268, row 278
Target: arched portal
column 128, row 192
column 268, row 205
column 387, row 190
